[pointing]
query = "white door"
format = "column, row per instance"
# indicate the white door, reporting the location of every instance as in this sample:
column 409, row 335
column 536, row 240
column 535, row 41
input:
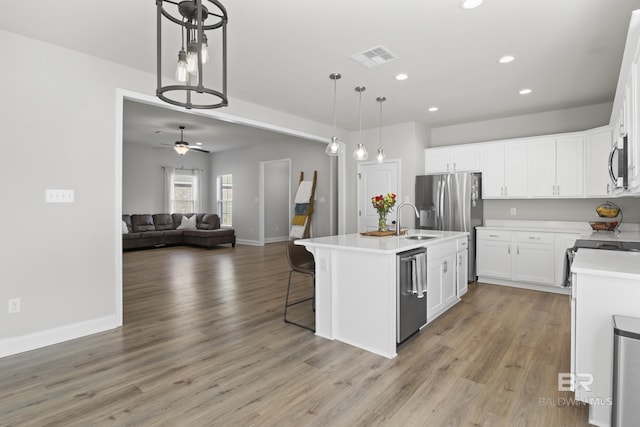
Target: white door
column 375, row 179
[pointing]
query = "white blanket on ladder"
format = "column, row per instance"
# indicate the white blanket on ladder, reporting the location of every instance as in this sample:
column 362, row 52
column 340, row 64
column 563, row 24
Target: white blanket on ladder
column 304, row 192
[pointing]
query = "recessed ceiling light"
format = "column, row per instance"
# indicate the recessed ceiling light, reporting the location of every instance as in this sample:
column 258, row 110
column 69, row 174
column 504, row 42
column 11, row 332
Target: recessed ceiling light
column 506, row 59
column 402, row 76
column 525, row 92
column 433, row 109
column 470, row 4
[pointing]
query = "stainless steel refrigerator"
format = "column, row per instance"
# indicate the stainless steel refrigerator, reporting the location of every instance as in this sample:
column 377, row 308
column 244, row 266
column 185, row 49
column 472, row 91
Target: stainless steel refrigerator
column 451, row 202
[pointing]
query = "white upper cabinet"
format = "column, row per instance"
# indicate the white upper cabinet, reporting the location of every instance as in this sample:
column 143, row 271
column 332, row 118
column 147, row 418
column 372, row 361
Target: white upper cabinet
column 556, row 167
column 458, row 158
column 504, row 172
column 597, row 145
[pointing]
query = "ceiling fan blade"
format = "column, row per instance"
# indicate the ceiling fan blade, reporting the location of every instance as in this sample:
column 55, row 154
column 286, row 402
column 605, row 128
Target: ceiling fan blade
column 202, row 150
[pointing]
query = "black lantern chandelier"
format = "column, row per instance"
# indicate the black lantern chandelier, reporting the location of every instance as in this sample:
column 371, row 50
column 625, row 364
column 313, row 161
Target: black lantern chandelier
column 194, row 20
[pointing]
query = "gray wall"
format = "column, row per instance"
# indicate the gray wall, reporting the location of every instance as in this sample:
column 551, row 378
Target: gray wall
column 143, row 176
column 557, row 121
column 276, row 200
column 243, row 164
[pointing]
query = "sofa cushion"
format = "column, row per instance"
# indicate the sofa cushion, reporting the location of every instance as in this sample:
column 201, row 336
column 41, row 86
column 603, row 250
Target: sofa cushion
column 208, row 222
column 163, row 222
column 131, row 236
column 187, row 223
column 142, row 223
column 210, row 233
column 127, row 220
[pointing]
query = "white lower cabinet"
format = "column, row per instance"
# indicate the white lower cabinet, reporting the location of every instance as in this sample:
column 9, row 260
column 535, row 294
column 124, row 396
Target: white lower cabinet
column 441, row 279
column 520, row 258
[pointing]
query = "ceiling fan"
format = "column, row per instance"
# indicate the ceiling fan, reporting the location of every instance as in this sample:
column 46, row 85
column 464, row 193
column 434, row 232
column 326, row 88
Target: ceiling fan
column 182, row 146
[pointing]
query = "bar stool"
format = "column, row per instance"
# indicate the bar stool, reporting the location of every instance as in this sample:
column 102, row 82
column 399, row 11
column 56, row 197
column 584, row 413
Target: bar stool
column 300, row 261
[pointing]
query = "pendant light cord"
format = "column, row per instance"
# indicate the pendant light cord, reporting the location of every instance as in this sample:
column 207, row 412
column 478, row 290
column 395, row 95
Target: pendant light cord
column 360, row 114
column 335, row 84
column 380, row 125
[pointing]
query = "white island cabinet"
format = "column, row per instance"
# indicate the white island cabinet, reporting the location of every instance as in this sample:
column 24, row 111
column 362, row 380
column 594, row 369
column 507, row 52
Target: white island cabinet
column 356, row 284
column 605, row 283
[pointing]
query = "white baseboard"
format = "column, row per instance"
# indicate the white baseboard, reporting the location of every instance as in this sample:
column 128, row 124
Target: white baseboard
column 530, row 286
column 276, row 239
column 15, row 345
column 249, row 242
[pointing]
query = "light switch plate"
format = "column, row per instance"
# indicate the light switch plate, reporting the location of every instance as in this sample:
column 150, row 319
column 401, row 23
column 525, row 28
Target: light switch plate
column 59, row 196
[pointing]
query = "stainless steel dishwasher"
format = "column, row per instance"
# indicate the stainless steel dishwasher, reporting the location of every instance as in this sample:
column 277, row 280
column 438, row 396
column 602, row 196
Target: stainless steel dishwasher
column 411, row 301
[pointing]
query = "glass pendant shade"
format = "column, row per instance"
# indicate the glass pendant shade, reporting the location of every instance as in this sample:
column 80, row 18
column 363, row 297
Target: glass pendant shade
column 381, row 156
column 360, row 153
column 332, row 147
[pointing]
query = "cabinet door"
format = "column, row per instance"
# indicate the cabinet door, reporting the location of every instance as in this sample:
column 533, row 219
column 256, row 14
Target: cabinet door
column 515, row 169
column 493, row 169
column 494, row 259
column 462, row 272
column 542, row 167
column 597, row 145
column 449, row 294
column 434, row 288
column 466, row 158
column 570, row 166
column 438, row 160
column 535, row 263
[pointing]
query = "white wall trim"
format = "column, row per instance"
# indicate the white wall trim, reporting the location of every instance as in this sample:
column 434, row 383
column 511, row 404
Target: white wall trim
column 276, row 239
column 249, row 242
column 48, row 337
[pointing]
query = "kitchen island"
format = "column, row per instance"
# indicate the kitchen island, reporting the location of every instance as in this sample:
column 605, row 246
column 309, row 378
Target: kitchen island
column 356, row 284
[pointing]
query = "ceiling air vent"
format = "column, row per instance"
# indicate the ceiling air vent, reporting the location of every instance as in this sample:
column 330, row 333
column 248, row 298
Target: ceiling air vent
column 374, row 57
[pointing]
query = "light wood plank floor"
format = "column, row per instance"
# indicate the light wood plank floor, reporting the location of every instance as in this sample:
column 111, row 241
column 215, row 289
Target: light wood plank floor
column 204, row 344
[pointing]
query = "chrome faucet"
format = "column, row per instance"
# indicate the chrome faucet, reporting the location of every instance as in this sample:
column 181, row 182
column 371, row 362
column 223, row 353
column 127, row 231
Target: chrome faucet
column 398, row 215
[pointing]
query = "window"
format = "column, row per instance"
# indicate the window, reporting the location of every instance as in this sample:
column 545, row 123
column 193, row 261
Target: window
column 183, row 193
column 225, row 196
column 182, row 190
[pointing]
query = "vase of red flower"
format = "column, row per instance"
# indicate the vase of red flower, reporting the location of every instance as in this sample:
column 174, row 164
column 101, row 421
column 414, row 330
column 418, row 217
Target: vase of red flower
column 383, row 204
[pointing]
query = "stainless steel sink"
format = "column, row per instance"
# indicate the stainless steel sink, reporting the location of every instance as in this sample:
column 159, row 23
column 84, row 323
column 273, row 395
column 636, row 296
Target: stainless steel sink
column 420, row 237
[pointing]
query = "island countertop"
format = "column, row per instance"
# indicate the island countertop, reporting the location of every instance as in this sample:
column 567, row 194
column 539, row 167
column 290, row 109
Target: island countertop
column 381, row 245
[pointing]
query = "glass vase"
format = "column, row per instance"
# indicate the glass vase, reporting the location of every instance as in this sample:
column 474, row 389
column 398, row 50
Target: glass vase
column 382, row 221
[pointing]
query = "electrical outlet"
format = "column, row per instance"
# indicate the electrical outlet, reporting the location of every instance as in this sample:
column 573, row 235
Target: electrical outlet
column 14, row 305
column 513, row 211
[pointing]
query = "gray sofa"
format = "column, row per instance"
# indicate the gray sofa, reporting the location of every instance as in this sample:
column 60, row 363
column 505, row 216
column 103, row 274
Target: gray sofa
column 148, row 231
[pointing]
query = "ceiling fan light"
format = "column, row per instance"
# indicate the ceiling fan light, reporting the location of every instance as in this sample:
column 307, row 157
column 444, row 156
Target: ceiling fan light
column 181, row 149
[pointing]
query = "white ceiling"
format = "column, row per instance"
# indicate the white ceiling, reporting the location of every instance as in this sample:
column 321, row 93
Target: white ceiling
column 281, row 52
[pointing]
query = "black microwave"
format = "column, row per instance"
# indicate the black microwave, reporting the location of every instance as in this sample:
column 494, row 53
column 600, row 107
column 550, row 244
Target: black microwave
column 618, row 163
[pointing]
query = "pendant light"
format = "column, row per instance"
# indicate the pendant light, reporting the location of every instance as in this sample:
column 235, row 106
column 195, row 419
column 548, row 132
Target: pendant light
column 194, row 20
column 381, row 156
column 333, row 146
column 361, row 152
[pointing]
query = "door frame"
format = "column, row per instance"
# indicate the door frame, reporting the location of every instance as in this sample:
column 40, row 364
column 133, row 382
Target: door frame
column 261, row 204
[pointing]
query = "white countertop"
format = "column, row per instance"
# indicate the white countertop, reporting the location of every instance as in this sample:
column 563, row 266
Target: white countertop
column 619, row 264
column 386, row 244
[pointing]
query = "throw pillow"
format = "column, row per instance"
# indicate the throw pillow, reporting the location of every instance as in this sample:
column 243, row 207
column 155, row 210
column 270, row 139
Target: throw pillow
column 125, row 230
column 187, row 223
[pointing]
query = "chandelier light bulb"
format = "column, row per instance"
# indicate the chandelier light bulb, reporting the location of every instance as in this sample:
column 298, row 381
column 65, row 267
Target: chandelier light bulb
column 205, row 50
column 192, row 57
column 381, row 156
column 181, row 69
